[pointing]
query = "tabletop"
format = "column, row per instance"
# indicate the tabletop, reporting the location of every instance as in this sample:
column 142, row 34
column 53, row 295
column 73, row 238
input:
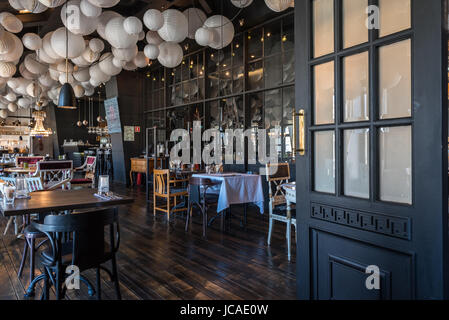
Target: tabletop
column 237, row 188
column 20, row 170
column 59, row 200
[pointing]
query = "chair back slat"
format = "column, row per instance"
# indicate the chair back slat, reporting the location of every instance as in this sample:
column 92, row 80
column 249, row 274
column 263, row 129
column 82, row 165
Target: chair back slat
column 161, row 181
column 9, row 179
column 277, row 174
column 34, row 184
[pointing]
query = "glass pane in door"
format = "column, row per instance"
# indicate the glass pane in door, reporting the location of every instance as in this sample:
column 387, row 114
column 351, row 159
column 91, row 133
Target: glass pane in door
column 356, row 87
column 395, row 16
column 395, row 80
column 323, row 27
column 354, row 22
column 324, row 157
column 356, row 163
column 395, row 160
column 324, row 93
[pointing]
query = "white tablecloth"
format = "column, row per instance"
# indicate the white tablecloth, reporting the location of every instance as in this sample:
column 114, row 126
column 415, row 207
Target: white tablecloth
column 237, row 189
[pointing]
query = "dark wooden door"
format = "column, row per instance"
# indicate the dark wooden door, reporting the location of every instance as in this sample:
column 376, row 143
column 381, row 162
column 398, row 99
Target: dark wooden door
column 372, row 178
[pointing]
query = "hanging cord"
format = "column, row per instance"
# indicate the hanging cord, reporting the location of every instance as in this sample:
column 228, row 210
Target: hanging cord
column 66, row 46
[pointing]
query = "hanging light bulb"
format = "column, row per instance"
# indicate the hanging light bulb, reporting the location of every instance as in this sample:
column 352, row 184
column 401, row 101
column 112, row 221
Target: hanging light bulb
column 67, row 99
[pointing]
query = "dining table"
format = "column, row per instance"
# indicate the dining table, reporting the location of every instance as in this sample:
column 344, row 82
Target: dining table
column 61, row 200
column 20, row 170
column 235, row 188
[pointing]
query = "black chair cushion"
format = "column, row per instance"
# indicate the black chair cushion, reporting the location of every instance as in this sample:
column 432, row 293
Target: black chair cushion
column 282, row 211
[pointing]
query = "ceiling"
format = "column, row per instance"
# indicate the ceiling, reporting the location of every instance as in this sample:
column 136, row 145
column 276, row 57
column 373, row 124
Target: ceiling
column 50, row 20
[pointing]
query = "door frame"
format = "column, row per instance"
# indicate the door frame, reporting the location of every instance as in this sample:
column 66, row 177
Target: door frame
column 428, row 243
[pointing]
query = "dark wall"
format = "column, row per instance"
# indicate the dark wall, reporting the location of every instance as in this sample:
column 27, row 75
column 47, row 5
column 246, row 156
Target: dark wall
column 66, row 125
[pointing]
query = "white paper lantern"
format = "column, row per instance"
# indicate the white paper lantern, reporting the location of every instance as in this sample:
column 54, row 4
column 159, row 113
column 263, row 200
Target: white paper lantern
column 80, row 61
column 117, row 36
column 97, row 74
column 52, row 3
column 16, row 4
column 133, row 26
column 94, row 82
column 89, row 10
column 7, row 69
column 11, row 97
column 12, row 107
column 26, row 73
column 33, row 65
column 82, row 75
column 153, row 19
column 141, row 61
column 279, row 5
column 175, row 27
column 103, row 20
column 223, row 31
column 6, row 42
column 10, row 22
column 104, row 3
column 33, row 90
column 78, row 23
column 46, row 46
column 153, row 37
column 24, row 102
column 3, row 114
column 90, row 56
column 13, row 83
column 241, row 3
column 89, row 91
column 46, row 80
column 151, row 51
column 204, row 36
column 170, row 54
column 58, row 43
column 118, row 63
column 63, row 67
column 16, row 51
column 130, row 66
column 32, row 41
column 64, row 78
column 127, row 54
column 141, row 35
column 195, row 18
column 107, row 66
column 79, row 91
column 96, row 45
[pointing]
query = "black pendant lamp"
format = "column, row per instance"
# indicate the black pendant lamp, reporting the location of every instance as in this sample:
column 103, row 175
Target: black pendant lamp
column 67, row 99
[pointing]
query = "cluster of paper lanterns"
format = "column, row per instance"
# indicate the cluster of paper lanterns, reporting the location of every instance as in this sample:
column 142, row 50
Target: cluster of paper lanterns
column 44, row 70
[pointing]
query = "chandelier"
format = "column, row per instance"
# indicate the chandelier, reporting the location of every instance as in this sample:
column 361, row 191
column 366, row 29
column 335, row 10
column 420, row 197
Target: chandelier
column 39, row 129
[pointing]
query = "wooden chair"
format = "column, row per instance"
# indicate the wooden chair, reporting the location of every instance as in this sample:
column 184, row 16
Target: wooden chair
column 86, row 250
column 198, row 197
column 88, row 168
column 167, row 189
column 277, row 175
column 55, row 174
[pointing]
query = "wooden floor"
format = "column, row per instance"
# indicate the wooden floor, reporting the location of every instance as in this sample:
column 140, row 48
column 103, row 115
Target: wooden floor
column 160, row 261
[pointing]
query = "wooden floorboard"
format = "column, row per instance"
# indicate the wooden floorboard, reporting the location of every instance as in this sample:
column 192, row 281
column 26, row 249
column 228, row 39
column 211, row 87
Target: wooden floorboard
column 159, row 260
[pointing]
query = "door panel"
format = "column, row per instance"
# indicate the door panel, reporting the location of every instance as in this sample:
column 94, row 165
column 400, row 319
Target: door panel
column 341, row 264
column 371, row 183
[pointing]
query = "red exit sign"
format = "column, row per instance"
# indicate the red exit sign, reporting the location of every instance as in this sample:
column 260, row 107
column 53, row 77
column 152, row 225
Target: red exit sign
column 136, row 129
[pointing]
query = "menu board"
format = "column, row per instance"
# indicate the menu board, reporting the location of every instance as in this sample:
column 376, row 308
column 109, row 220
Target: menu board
column 112, row 115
